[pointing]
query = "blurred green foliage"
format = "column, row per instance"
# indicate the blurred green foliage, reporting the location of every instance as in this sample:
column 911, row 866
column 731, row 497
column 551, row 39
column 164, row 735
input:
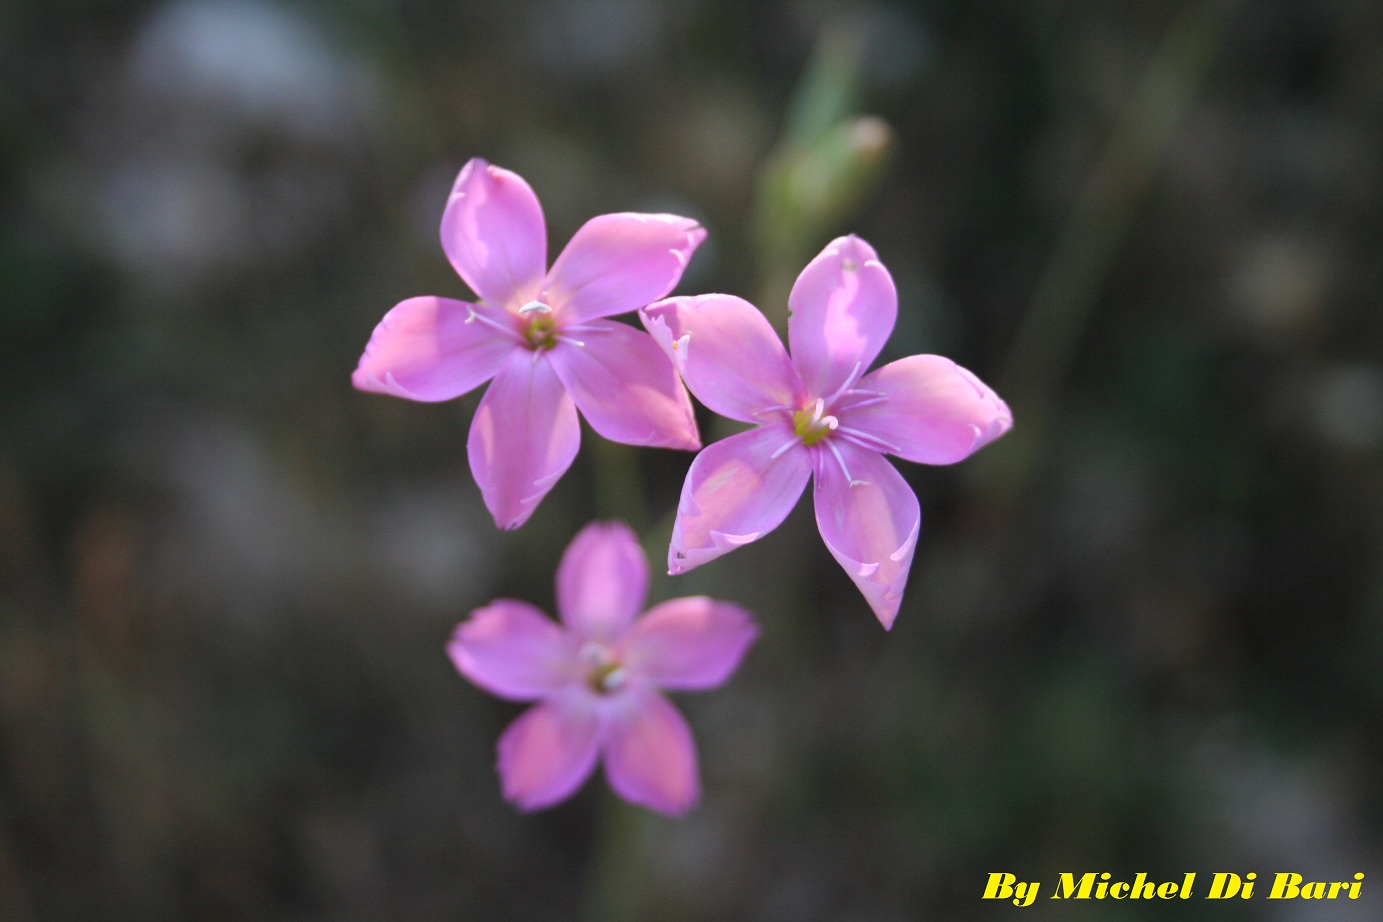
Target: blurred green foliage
column 1143, row 631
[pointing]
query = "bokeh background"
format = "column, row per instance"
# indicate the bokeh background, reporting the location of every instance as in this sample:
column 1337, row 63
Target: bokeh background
column 1144, row 632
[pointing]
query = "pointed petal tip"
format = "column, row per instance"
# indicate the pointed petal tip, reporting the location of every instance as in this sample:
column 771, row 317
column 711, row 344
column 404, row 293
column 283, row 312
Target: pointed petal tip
column 696, row 235
column 996, row 417
column 888, row 613
column 467, row 170
column 691, row 442
column 370, row 382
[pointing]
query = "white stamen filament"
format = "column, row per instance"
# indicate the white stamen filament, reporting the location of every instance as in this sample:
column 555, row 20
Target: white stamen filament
column 776, row 408
column 532, row 306
column 845, row 470
column 865, row 440
column 849, row 383
column 878, row 398
column 782, row 449
column 474, row 315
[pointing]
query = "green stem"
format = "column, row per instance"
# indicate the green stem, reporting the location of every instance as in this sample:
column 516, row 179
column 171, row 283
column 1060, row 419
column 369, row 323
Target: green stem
column 1068, row 290
column 617, row 882
column 618, row 485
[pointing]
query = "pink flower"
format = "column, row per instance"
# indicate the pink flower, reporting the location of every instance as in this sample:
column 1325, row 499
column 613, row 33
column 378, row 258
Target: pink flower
column 596, row 676
column 818, row 414
column 540, row 334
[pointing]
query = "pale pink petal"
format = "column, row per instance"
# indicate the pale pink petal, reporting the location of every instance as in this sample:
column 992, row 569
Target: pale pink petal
column 429, row 349
column 736, row 491
column 524, row 437
column 625, row 386
column 511, row 649
column 617, row 263
column 689, row 643
column 869, row 521
column 650, row 756
column 843, row 308
column 727, row 353
column 602, row 581
column 493, row 233
column 547, row 752
column 933, row 411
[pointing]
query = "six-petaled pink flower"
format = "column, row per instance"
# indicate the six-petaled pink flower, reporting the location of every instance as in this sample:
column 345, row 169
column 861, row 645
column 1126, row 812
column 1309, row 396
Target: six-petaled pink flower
column 821, row 416
column 597, row 676
column 541, row 335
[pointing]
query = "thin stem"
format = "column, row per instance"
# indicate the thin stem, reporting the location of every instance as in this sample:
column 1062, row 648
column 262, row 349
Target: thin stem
column 616, row 888
column 1068, row 291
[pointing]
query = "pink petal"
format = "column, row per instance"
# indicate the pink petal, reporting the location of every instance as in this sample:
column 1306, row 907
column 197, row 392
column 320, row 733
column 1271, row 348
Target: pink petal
column 688, row 644
column 428, row 349
column 933, row 411
column 618, row 263
column 493, row 233
column 843, row 308
column 547, row 752
column 602, row 581
column 524, row 437
column 727, row 353
column 625, row 387
column 735, row 493
column 512, row 650
column 869, row 525
column 650, row 756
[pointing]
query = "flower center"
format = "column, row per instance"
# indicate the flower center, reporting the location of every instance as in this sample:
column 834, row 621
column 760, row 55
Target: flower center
column 539, row 329
column 604, row 673
column 811, row 424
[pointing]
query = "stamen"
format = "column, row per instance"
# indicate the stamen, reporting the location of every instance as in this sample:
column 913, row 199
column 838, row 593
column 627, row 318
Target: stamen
column 845, row 470
column 865, row 440
column 776, row 408
column 782, row 449
column 532, row 306
column 870, row 401
column 473, row 315
column 849, row 382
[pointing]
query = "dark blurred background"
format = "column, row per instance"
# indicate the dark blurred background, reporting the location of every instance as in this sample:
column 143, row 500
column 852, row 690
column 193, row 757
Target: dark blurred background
column 1144, row 632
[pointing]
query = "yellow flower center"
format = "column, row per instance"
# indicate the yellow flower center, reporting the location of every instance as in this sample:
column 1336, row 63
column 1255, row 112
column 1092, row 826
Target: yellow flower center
column 812, row 424
column 606, row 674
column 539, row 329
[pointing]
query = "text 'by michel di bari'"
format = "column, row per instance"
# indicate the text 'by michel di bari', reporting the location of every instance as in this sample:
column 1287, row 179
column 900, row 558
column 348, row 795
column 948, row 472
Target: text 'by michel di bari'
column 1223, row 885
